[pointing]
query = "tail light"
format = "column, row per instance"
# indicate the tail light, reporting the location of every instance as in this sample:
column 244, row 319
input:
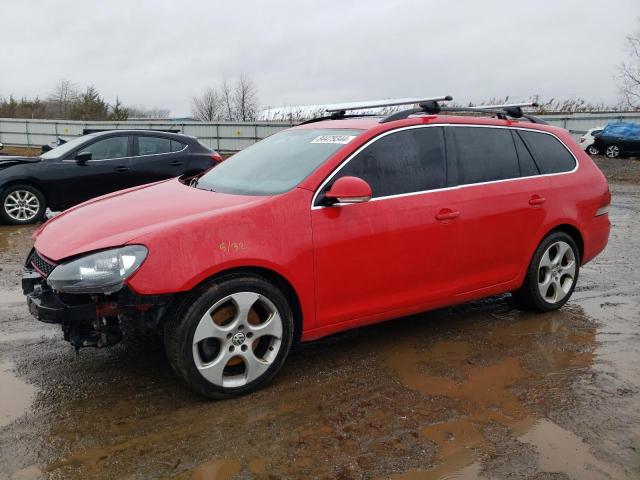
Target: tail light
column 604, row 204
column 582, row 139
column 216, row 158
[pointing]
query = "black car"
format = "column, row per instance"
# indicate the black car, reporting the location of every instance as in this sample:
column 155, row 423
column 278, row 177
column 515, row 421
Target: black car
column 93, row 165
column 620, row 139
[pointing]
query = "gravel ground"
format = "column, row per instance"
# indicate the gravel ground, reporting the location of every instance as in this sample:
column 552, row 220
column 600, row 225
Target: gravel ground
column 482, row 390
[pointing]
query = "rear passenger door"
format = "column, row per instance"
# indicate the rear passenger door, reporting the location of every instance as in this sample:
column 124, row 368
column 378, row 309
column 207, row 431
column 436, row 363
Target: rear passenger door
column 158, row 157
column 501, row 200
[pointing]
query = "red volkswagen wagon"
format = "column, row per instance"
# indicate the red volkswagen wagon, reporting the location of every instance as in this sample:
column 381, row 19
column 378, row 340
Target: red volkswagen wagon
column 323, row 227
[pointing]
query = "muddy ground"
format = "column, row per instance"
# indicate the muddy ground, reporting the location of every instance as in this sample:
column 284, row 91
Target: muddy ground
column 482, row 390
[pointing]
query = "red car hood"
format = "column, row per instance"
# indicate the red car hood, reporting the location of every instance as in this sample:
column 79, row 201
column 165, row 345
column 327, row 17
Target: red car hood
column 119, row 218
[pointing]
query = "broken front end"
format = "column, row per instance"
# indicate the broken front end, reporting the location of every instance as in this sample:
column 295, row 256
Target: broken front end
column 87, row 295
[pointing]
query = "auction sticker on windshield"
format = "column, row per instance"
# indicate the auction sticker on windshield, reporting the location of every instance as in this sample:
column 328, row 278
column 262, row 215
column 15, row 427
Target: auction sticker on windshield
column 344, row 139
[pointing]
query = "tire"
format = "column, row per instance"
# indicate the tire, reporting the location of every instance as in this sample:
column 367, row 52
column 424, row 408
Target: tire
column 613, row 151
column 552, row 274
column 216, row 339
column 593, row 150
column 22, row 204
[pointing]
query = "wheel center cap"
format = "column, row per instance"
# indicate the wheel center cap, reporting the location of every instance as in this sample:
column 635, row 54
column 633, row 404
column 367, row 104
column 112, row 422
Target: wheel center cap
column 238, row 339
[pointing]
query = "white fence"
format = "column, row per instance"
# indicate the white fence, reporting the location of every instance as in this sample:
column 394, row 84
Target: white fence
column 232, row 137
column 222, row 137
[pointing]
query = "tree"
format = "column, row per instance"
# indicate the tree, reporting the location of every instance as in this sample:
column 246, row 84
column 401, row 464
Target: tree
column 246, row 99
column 226, row 94
column 629, row 74
column 140, row 111
column 118, row 112
column 91, row 106
column 208, row 106
column 229, row 102
column 62, row 99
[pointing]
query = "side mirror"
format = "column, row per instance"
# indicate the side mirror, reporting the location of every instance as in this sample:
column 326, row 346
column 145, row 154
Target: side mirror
column 83, row 157
column 347, row 190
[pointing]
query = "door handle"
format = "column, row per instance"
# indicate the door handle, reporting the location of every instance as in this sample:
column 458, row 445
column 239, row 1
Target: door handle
column 175, row 163
column 447, row 214
column 536, row 200
column 122, row 168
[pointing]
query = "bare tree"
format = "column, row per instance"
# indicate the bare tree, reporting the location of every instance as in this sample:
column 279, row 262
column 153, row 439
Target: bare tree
column 230, row 102
column 62, row 99
column 246, row 99
column 208, row 106
column 629, row 74
column 226, row 94
column 140, row 111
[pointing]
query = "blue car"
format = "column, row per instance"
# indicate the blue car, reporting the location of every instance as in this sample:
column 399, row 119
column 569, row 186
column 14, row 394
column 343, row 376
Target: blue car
column 618, row 139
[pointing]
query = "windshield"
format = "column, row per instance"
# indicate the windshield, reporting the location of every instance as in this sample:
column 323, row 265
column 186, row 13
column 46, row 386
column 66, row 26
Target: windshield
column 277, row 163
column 65, row 148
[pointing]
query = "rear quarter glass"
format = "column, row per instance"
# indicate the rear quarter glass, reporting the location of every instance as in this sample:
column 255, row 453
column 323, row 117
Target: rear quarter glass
column 551, row 155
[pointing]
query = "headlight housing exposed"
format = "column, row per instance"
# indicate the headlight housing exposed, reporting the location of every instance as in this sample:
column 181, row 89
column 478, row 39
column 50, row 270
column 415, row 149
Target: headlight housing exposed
column 100, row 272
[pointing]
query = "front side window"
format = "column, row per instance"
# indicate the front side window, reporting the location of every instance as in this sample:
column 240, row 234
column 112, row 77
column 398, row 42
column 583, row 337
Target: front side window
column 277, row 163
column 485, row 154
column 64, row 149
column 153, row 145
column 407, row 161
column 112, row 147
column 551, row 155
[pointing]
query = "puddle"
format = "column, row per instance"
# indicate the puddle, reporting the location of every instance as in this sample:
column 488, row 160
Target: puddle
column 15, row 395
column 11, row 297
column 216, row 470
column 31, row 335
column 562, row 451
column 484, row 376
column 12, row 236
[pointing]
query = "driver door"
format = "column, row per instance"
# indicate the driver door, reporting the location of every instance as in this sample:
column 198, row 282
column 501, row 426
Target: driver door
column 108, row 170
column 390, row 253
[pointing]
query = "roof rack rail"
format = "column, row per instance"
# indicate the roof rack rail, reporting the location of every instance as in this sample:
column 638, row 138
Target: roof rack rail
column 386, row 103
column 340, row 111
column 512, row 110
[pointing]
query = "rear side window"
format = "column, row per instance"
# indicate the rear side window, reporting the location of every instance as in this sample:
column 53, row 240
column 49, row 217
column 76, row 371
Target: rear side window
column 153, row 145
column 408, row 161
column 485, row 154
column 528, row 166
column 551, row 155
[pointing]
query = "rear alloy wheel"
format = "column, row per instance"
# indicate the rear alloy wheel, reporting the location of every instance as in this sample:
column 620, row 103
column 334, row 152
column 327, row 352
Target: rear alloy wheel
column 232, row 339
column 592, row 150
column 612, row 151
column 552, row 274
column 22, row 204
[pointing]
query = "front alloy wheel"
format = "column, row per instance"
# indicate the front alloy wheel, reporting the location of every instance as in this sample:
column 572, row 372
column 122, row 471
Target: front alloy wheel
column 612, row 151
column 237, row 339
column 593, row 150
column 232, row 338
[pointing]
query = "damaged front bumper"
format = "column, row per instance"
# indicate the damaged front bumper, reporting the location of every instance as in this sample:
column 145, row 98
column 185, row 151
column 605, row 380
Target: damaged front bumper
column 93, row 320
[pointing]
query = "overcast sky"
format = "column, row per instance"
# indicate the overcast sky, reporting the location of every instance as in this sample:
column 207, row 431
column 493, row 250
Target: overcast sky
column 161, row 53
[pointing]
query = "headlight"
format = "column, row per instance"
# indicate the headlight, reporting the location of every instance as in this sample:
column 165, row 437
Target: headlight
column 101, row 272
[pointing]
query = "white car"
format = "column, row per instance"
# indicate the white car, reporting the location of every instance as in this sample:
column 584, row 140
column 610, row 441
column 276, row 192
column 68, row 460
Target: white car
column 586, row 141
